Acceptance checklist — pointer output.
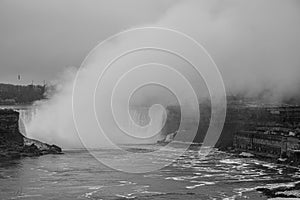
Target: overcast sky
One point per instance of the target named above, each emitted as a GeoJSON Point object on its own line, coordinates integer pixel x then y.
{"type": "Point", "coordinates": [40, 38]}
{"type": "Point", "coordinates": [255, 43]}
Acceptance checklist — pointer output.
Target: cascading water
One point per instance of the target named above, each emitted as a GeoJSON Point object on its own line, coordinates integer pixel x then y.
{"type": "Point", "coordinates": [141, 118]}
{"type": "Point", "coordinates": [42, 122]}
{"type": "Point", "coordinates": [26, 115]}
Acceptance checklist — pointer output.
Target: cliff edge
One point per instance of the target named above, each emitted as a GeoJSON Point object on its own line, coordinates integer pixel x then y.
{"type": "Point", "coordinates": [15, 145]}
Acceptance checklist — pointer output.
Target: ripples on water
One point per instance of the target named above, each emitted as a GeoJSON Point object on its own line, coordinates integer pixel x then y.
{"type": "Point", "coordinates": [77, 175]}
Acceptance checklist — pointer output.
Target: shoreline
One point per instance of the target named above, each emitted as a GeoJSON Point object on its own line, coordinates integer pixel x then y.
{"type": "Point", "coordinates": [288, 190]}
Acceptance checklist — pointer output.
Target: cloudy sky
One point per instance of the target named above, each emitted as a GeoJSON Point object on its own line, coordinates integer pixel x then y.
{"type": "Point", "coordinates": [255, 43]}
{"type": "Point", "coordinates": [40, 38]}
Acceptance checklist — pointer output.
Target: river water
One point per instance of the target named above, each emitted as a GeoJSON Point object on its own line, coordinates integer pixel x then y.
{"type": "Point", "coordinates": [78, 175]}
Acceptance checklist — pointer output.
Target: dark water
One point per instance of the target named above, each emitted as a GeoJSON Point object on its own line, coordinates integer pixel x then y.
{"type": "Point", "coordinates": [77, 175]}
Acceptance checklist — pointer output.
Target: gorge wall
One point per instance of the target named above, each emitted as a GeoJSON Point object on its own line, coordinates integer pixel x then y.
{"type": "Point", "coordinates": [240, 116]}
{"type": "Point", "coordinates": [9, 128]}
{"type": "Point", "coordinates": [14, 145]}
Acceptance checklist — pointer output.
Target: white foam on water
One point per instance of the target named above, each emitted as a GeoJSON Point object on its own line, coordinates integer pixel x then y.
{"type": "Point", "coordinates": [182, 178]}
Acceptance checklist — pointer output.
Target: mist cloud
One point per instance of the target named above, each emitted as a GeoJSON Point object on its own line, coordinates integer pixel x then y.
{"type": "Point", "coordinates": [255, 44]}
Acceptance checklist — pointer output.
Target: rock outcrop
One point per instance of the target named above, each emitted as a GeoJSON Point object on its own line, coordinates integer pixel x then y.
{"type": "Point", "coordinates": [14, 145]}
{"type": "Point", "coordinates": [286, 191]}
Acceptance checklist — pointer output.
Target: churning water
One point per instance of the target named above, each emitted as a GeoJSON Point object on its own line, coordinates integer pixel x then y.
{"type": "Point", "coordinates": [78, 175]}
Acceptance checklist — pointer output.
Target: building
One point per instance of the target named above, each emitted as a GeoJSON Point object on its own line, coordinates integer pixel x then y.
{"type": "Point", "coordinates": [266, 144]}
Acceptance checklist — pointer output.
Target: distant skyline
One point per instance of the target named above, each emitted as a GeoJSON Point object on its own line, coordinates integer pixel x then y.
{"type": "Point", "coordinates": [38, 39]}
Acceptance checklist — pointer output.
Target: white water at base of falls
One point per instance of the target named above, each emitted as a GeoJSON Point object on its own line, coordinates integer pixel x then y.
{"type": "Point", "coordinates": [139, 118]}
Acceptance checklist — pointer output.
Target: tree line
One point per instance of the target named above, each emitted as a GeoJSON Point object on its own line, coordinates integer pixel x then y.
{"type": "Point", "coordinates": [20, 94]}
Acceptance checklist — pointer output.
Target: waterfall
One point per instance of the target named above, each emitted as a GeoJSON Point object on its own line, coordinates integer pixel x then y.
{"type": "Point", "coordinates": [143, 123]}
{"type": "Point", "coordinates": [26, 115]}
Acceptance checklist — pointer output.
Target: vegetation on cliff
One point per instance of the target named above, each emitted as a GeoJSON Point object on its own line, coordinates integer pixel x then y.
{"type": "Point", "coordinates": [20, 94]}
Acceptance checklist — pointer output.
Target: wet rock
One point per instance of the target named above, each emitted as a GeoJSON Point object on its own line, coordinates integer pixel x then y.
{"type": "Point", "coordinates": [44, 148]}
{"type": "Point", "coordinates": [55, 149]}
{"type": "Point", "coordinates": [283, 191]}
{"type": "Point", "coordinates": [13, 145]}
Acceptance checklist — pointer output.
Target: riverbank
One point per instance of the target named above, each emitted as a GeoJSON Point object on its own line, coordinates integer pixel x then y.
{"type": "Point", "coordinates": [282, 191]}
{"type": "Point", "coordinates": [12, 150]}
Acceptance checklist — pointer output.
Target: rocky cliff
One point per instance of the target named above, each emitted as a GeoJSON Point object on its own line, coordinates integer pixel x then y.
{"type": "Point", "coordinates": [241, 116]}
{"type": "Point", "coordinates": [14, 145]}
